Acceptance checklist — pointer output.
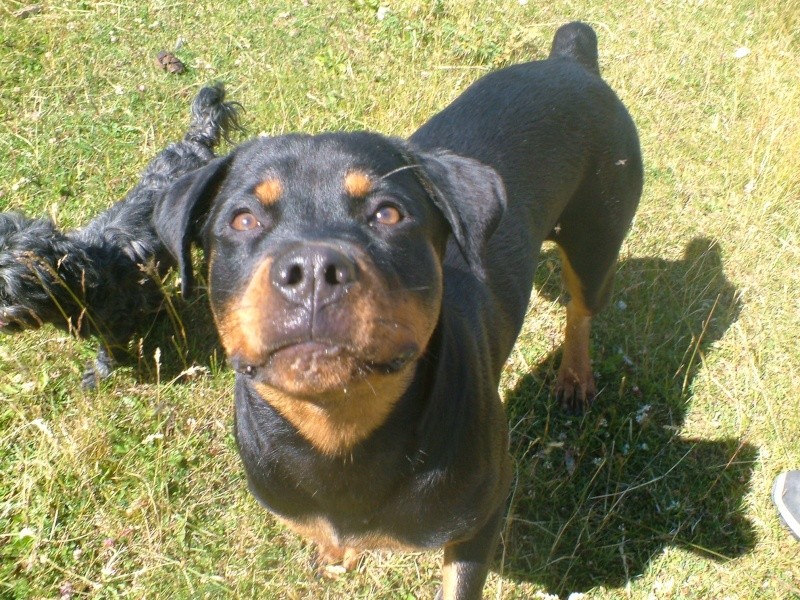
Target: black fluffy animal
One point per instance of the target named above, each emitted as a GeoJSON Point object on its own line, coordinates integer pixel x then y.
{"type": "Point", "coordinates": [104, 279]}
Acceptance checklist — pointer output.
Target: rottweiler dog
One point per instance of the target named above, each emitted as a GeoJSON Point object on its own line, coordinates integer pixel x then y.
{"type": "Point", "coordinates": [368, 291]}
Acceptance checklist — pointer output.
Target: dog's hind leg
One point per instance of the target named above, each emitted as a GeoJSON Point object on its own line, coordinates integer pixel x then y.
{"type": "Point", "coordinates": [575, 387]}
{"type": "Point", "coordinates": [589, 236]}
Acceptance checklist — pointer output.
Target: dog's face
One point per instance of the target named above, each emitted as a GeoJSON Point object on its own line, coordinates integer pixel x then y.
{"type": "Point", "coordinates": [324, 264]}
{"type": "Point", "coordinates": [27, 272]}
{"type": "Point", "coordinates": [325, 256]}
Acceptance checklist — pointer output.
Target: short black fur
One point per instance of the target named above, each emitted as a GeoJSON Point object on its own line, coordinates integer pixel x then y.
{"type": "Point", "coordinates": [534, 152]}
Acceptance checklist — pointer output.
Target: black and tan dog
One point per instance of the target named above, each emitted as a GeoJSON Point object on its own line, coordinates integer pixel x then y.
{"type": "Point", "coordinates": [368, 291]}
{"type": "Point", "coordinates": [104, 279]}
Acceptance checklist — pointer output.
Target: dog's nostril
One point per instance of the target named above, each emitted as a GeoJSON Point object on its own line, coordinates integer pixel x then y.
{"type": "Point", "coordinates": [293, 275]}
{"type": "Point", "coordinates": [335, 275]}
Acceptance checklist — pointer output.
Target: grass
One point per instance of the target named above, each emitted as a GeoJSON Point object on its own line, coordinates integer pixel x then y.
{"type": "Point", "coordinates": [660, 491]}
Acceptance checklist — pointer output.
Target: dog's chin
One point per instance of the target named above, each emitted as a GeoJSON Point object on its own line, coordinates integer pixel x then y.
{"type": "Point", "coordinates": [316, 370]}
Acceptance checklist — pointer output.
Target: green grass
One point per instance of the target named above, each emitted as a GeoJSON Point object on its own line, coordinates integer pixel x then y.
{"type": "Point", "coordinates": [660, 491]}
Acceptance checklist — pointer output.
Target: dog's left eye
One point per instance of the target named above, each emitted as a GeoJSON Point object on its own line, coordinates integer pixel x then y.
{"type": "Point", "coordinates": [245, 221]}
{"type": "Point", "coordinates": [386, 214]}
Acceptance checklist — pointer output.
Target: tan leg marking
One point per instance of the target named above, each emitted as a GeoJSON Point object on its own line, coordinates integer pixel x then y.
{"type": "Point", "coordinates": [449, 580]}
{"type": "Point", "coordinates": [575, 383]}
{"type": "Point", "coordinates": [332, 561]}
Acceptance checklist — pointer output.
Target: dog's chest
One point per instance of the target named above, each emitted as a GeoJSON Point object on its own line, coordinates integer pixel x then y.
{"type": "Point", "coordinates": [377, 498]}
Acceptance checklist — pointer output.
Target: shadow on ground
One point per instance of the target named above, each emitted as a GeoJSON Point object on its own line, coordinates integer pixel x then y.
{"type": "Point", "coordinates": [597, 497]}
{"type": "Point", "coordinates": [185, 338]}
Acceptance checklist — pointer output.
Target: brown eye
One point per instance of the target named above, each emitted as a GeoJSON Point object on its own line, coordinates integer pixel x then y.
{"type": "Point", "coordinates": [245, 222]}
{"type": "Point", "coordinates": [387, 215]}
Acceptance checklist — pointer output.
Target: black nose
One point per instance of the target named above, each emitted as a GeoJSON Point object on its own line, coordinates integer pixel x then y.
{"type": "Point", "coordinates": [313, 275]}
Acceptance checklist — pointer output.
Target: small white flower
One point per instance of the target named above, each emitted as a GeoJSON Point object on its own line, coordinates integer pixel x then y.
{"type": "Point", "coordinates": [152, 438]}
{"type": "Point", "coordinates": [108, 571]}
{"type": "Point", "coordinates": [643, 413]}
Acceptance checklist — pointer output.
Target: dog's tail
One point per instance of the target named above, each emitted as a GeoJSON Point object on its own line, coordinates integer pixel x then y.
{"type": "Point", "coordinates": [212, 117]}
{"type": "Point", "coordinates": [576, 41]}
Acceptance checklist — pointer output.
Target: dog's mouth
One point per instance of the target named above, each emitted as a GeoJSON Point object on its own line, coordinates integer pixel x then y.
{"type": "Point", "coordinates": [313, 368]}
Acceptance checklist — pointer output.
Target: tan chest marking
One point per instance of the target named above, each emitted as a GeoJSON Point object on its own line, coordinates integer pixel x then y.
{"type": "Point", "coordinates": [320, 531]}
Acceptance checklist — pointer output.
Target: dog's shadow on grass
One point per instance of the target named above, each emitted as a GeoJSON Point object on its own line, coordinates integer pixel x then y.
{"type": "Point", "coordinates": [597, 497]}
{"type": "Point", "coordinates": [182, 340]}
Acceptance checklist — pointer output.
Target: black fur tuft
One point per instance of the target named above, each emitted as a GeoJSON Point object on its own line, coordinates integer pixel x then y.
{"type": "Point", "coordinates": [104, 279]}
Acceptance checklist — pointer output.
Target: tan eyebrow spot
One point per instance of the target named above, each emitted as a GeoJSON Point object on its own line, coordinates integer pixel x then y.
{"type": "Point", "coordinates": [269, 191]}
{"type": "Point", "coordinates": [357, 184]}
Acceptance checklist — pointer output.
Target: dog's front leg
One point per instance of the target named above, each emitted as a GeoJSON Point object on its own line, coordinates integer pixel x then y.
{"type": "Point", "coordinates": [466, 564]}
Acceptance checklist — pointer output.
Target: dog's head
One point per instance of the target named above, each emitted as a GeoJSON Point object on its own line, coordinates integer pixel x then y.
{"type": "Point", "coordinates": [34, 255]}
{"type": "Point", "coordinates": [325, 253]}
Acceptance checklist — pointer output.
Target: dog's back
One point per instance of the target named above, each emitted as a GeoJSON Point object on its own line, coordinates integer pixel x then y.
{"type": "Point", "coordinates": [568, 154]}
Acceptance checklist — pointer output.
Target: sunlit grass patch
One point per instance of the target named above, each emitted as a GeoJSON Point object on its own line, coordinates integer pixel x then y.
{"type": "Point", "coordinates": [661, 490]}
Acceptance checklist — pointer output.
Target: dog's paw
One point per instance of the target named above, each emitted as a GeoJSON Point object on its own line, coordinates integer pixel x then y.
{"type": "Point", "coordinates": [574, 393]}
{"type": "Point", "coordinates": [332, 561]}
{"type": "Point", "coordinates": [96, 371]}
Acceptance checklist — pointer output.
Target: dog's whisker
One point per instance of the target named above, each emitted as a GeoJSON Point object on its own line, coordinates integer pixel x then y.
{"type": "Point", "coordinates": [398, 170]}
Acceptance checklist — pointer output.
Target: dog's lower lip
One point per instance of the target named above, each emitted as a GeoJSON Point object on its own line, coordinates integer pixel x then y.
{"type": "Point", "coordinates": [394, 365]}
{"type": "Point", "coordinates": [327, 348]}
{"type": "Point", "coordinates": [251, 369]}
{"type": "Point", "coordinates": [386, 367]}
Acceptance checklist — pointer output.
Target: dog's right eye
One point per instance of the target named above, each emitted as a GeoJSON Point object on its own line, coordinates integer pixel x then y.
{"type": "Point", "coordinates": [245, 221]}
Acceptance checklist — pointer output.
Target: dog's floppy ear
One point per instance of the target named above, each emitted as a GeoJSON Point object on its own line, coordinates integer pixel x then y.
{"type": "Point", "coordinates": [470, 195]}
{"type": "Point", "coordinates": [179, 213]}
